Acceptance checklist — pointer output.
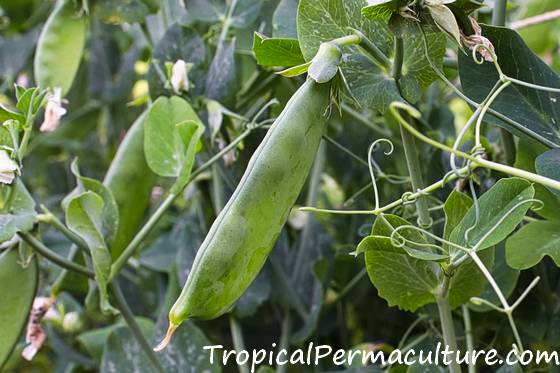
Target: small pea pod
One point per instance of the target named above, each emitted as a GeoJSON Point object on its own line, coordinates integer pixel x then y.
{"type": "Point", "coordinates": [131, 181]}
{"type": "Point", "coordinates": [244, 233]}
{"type": "Point", "coordinates": [18, 286]}
{"type": "Point", "coordinates": [60, 47]}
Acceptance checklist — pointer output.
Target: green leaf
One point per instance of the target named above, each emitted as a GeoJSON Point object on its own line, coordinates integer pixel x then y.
{"type": "Point", "coordinates": [373, 86]}
{"type": "Point", "coordinates": [548, 164]}
{"type": "Point", "coordinates": [500, 211]}
{"type": "Point", "coordinates": [401, 280]}
{"type": "Point", "coordinates": [84, 216]}
{"type": "Point", "coordinates": [129, 167]}
{"type": "Point", "coordinates": [295, 71]}
{"type": "Point", "coordinates": [60, 47]}
{"type": "Point", "coordinates": [527, 247]}
{"type": "Point", "coordinates": [445, 20]}
{"type": "Point", "coordinates": [221, 82]}
{"type": "Point", "coordinates": [455, 208]}
{"type": "Point", "coordinates": [382, 9]}
{"type": "Point", "coordinates": [284, 19]}
{"type": "Point", "coordinates": [7, 114]}
{"type": "Point", "coordinates": [527, 152]}
{"type": "Point", "coordinates": [535, 112]}
{"type": "Point", "coordinates": [276, 52]}
{"type": "Point", "coordinates": [245, 13]}
{"type": "Point", "coordinates": [18, 286]}
{"type": "Point", "coordinates": [17, 210]}
{"type": "Point", "coordinates": [110, 209]}
{"type": "Point", "coordinates": [172, 129]}
{"type": "Point", "coordinates": [124, 11]}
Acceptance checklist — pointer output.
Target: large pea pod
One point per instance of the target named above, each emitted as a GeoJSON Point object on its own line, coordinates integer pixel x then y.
{"type": "Point", "coordinates": [131, 181]}
{"type": "Point", "coordinates": [18, 286]}
{"type": "Point", "coordinates": [245, 231]}
{"type": "Point", "coordinates": [60, 47]}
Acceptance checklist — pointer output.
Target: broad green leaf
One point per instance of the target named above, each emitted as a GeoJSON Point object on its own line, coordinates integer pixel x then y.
{"type": "Point", "coordinates": [60, 47]}
{"type": "Point", "coordinates": [171, 127]}
{"type": "Point", "coordinates": [129, 167]}
{"type": "Point", "coordinates": [535, 112]}
{"type": "Point", "coordinates": [527, 152]}
{"type": "Point", "coordinates": [245, 13]}
{"type": "Point", "coordinates": [94, 341]}
{"type": "Point", "coordinates": [110, 208]}
{"type": "Point", "coordinates": [284, 19]}
{"type": "Point", "coordinates": [505, 277]}
{"type": "Point", "coordinates": [276, 52]}
{"type": "Point", "coordinates": [467, 6]}
{"type": "Point", "coordinates": [455, 208]}
{"type": "Point", "coordinates": [178, 43]}
{"type": "Point", "coordinates": [127, 11]}
{"type": "Point", "coordinates": [221, 82]}
{"type": "Point", "coordinates": [84, 216]}
{"type": "Point", "coordinates": [373, 86]}
{"type": "Point", "coordinates": [17, 210]}
{"type": "Point", "coordinates": [7, 114]}
{"type": "Point", "coordinates": [527, 247]}
{"type": "Point", "coordinates": [501, 209]}
{"type": "Point", "coordinates": [382, 9]}
{"type": "Point", "coordinates": [18, 286]}
{"type": "Point", "coordinates": [548, 164]}
{"type": "Point", "coordinates": [445, 20]}
{"type": "Point", "coordinates": [400, 279]}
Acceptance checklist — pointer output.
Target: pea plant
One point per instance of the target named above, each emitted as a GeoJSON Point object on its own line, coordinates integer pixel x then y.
{"type": "Point", "coordinates": [184, 182]}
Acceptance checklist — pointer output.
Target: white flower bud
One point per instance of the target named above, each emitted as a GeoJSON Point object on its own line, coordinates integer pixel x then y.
{"type": "Point", "coordinates": [8, 168]}
{"type": "Point", "coordinates": [180, 77]}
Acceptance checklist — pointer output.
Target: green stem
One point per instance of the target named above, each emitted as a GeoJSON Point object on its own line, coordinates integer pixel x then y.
{"type": "Point", "coordinates": [44, 251]}
{"type": "Point", "coordinates": [446, 319]}
{"type": "Point", "coordinates": [372, 50]}
{"type": "Point", "coordinates": [51, 219]}
{"type": "Point", "coordinates": [499, 14]}
{"type": "Point", "coordinates": [469, 335]}
{"type": "Point", "coordinates": [347, 40]}
{"type": "Point", "coordinates": [416, 178]}
{"type": "Point", "coordinates": [398, 59]}
{"type": "Point", "coordinates": [238, 342]}
{"type": "Point", "coordinates": [285, 339]}
{"type": "Point", "coordinates": [128, 317]}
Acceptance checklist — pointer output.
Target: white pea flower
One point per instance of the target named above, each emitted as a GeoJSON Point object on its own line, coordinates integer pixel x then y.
{"type": "Point", "coordinates": [53, 112]}
{"type": "Point", "coordinates": [8, 168]}
{"type": "Point", "coordinates": [180, 76]}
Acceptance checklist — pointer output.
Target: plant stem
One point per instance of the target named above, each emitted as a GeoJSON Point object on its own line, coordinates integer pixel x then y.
{"type": "Point", "coordinates": [446, 319]}
{"type": "Point", "coordinates": [469, 336]}
{"type": "Point", "coordinates": [47, 253]}
{"type": "Point", "coordinates": [285, 339]}
{"type": "Point", "coordinates": [372, 50]}
{"type": "Point", "coordinates": [50, 218]}
{"type": "Point", "coordinates": [416, 179]}
{"type": "Point", "coordinates": [128, 317]}
{"type": "Point", "coordinates": [398, 59]}
{"type": "Point", "coordinates": [499, 14]}
{"type": "Point", "coordinates": [238, 342]}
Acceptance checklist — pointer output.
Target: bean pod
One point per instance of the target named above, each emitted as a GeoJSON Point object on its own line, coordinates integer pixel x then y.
{"type": "Point", "coordinates": [243, 234]}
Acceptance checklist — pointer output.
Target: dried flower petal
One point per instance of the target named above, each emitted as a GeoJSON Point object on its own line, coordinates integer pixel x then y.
{"type": "Point", "coordinates": [471, 41]}
{"type": "Point", "coordinates": [36, 335]}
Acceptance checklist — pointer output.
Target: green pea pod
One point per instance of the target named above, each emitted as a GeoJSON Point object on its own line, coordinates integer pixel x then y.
{"type": "Point", "coordinates": [131, 181]}
{"type": "Point", "coordinates": [244, 233]}
{"type": "Point", "coordinates": [60, 47]}
{"type": "Point", "coordinates": [18, 286]}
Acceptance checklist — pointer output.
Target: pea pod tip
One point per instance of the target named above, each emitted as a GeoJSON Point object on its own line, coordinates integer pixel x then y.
{"type": "Point", "coordinates": [165, 341]}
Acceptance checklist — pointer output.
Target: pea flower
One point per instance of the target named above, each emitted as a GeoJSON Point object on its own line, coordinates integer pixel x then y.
{"type": "Point", "coordinates": [8, 168]}
{"type": "Point", "coordinates": [180, 76]}
{"type": "Point", "coordinates": [53, 112]}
